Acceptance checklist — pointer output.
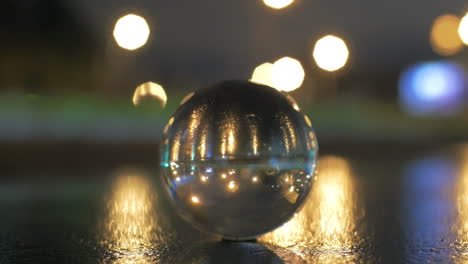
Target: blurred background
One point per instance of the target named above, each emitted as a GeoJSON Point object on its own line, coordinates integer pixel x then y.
{"type": "Point", "coordinates": [87, 86]}
{"type": "Point", "coordinates": [391, 72]}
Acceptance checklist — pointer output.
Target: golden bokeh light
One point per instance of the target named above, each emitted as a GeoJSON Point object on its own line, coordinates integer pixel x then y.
{"type": "Point", "coordinates": [195, 199]}
{"type": "Point", "coordinates": [131, 32]}
{"type": "Point", "coordinates": [232, 186]}
{"type": "Point", "coordinates": [328, 219]}
{"type": "Point", "coordinates": [149, 91]}
{"type": "Point", "coordinates": [444, 35]}
{"type": "Point", "coordinates": [463, 29]}
{"type": "Point", "coordinates": [287, 74]}
{"type": "Point", "coordinates": [331, 53]}
{"type": "Point", "coordinates": [262, 74]}
{"type": "Point", "coordinates": [277, 4]}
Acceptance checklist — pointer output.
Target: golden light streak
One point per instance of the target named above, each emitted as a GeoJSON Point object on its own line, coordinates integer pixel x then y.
{"type": "Point", "coordinates": [288, 133]}
{"type": "Point", "coordinates": [293, 102]}
{"type": "Point", "coordinates": [231, 143]}
{"type": "Point", "coordinates": [169, 123]}
{"type": "Point", "coordinates": [307, 120]}
{"type": "Point", "coordinates": [461, 197]}
{"type": "Point", "coordinates": [229, 131]}
{"type": "Point", "coordinates": [203, 142]}
{"type": "Point", "coordinates": [253, 133]}
{"type": "Point", "coordinates": [175, 147]}
{"type": "Point", "coordinates": [131, 32]}
{"type": "Point", "coordinates": [331, 53]}
{"type": "Point", "coordinates": [444, 35]}
{"type": "Point", "coordinates": [186, 98]}
{"type": "Point", "coordinates": [192, 132]}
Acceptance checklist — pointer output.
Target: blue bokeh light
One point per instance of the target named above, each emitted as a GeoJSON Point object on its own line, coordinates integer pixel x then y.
{"type": "Point", "coordinates": [433, 88]}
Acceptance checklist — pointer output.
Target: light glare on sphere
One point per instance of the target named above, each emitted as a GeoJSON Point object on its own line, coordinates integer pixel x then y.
{"type": "Point", "coordinates": [287, 74]}
{"type": "Point", "coordinates": [131, 32]}
{"type": "Point", "coordinates": [331, 53]}
{"type": "Point", "coordinates": [238, 159]}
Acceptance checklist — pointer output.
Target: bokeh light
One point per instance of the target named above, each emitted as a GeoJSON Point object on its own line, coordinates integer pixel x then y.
{"type": "Point", "coordinates": [149, 93]}
{"type": "Point", "coordinates": [287, 74]}
{"type": "Point", "coordinates": [131, 32]}
{"type": "Point", "coordinates": [331, 53]}
{"type": "Point", "coordinates": [463, 29]}
{"type": "Point", "coordinates": [433, 88]}
{"type": "Point", "coordinates": [444, 35]}
{"type": "Point", "coordinates": [262, 74]}
{"type": "Point", "coordinates": [195, 199]}
{"type": "Point", "coordinates": [278, 4]}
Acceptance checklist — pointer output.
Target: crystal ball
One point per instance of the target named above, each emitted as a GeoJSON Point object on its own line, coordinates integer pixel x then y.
{"type": "Point", "coordinates": [238, 159]}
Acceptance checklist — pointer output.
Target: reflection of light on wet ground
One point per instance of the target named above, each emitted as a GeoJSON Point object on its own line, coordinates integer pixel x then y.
{"type": "Point", "coordinates": [328, 220]}
{"type": "Point", "coordinates": [462, 199]}
{"type": "Point", "coordinates": [132, 232]}
{"type": "Point", "coordinates": [427, 207]}
{"type": "Point", "coordinates": [461, 227]}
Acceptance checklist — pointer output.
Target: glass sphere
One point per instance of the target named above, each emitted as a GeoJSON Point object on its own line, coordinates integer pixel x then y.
{"type": "Point", "coordinates": [238, 159]}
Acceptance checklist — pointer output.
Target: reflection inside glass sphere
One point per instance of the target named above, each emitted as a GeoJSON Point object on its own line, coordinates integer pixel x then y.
{"type": "Point", "coordinates": [238, 159]}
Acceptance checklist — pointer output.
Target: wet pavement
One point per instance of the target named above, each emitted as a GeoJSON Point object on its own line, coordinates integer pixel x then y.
{"type": "Point", "coordinates": [398, 206]}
